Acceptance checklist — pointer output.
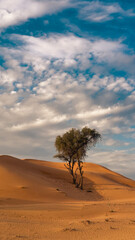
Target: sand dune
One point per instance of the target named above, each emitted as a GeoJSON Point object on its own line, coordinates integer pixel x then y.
{"type": "Point", "coordinates": [38, 201]}
{"type": "Point", "coordinates": [43, 181]}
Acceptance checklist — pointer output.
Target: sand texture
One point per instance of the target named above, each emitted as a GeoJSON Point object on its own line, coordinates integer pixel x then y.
{"type": "Point", "coordinates": [38, 201]}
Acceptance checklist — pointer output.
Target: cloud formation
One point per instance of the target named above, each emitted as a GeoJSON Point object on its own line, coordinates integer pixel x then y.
{"type": "Point", "coordinates": [72, 51]}
{"type": "Point", "coordinates": [99, 11]}
{"type": "Point", "coordinates": [43, 69]}
{"type": "Point", "coordinates": [46, 97]}
{"type": "Point", "coordinates": [14, 12]}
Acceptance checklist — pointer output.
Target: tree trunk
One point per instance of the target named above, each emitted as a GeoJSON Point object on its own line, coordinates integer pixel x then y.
{"type": "Point", "coordinates": [81, 173]}
{"type": "Point", "coordinates": [72, 172]}
{"type": "Point", "coordinates": [81, 186]}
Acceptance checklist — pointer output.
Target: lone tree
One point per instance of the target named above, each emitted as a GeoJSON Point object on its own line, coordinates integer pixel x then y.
{"type": "Point", "coordinates": [72, 147]}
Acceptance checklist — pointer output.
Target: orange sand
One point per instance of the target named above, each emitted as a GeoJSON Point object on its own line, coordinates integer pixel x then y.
{"type": "Point", "coordinates": [39, 201]}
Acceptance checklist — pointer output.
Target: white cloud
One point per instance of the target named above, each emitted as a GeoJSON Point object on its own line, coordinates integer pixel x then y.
{"type": "Point", "coordinates": [55, 46]}
{"type": "Point", "coordinates": [98, 11]}
{"type": "Point", "coordinates": [14, 12]}
{"type": "Point", "coordinates": [68, 51]}
{"type": "Point", "coordinates": [36, 70]}
{"type": "Point", "coordinates": [116, 143]}
{"type": "Point", "coordinates": [111, 83]}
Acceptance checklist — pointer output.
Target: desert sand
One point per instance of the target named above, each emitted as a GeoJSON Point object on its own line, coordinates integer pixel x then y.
{"type": "Point", "coordinates": [38, 201]}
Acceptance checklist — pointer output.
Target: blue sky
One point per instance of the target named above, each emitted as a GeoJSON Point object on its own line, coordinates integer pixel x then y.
{"type": "Point", "coordinates": [65, 64]}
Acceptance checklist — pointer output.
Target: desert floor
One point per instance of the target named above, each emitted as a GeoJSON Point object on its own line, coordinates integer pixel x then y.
{"type": "Point", "coordinates": [38, 201]}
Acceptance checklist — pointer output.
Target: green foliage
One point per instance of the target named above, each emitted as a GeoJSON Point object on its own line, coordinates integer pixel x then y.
{"type": "Point", "coordinates": [72, 147]}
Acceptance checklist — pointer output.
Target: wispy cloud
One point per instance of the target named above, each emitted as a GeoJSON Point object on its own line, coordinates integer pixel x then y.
{"type": "Point", "coordinates": [99, 11]}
